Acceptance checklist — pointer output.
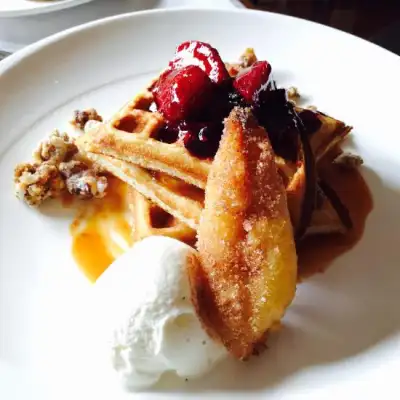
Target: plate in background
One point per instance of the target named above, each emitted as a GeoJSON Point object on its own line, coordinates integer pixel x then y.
{"type": "Point", "coordinates": [18, 8]}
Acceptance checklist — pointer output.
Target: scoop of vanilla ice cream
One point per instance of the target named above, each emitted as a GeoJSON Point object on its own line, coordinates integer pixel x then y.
{"type": "Point", "coordinates": [145, 306]}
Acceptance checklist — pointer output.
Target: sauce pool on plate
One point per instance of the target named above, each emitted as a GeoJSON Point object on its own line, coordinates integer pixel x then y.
{"type": "Point", "coordinates": [316, 253]}
{"type": "Point", "coordinates": [101, 232]}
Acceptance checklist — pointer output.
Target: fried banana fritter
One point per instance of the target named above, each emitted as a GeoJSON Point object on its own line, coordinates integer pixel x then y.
{"type": "Point", "coordinates": [248, 269]}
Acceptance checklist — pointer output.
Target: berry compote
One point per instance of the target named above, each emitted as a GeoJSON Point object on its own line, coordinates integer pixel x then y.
{"type": "Point", "coordinates": [195, 94]}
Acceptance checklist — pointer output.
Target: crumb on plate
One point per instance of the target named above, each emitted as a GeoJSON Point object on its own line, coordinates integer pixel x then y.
{"type": "Point", "coordinates": [348, 160]}
{"type": "Point", "coordinates": [81, 118]}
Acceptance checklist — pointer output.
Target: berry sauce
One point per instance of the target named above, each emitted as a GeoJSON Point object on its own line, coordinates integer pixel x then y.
{"type": "Point", "coordinates": [195, 94]}
{"type": "Point", "coordinates": [202, 133]}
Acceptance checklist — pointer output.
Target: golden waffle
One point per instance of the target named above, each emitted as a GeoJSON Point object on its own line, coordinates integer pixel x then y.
{"type": "Point", "coordinates": [127, 147]}
{"type": "Point", "coordinates": [324, 218]}
{"type": "Point", "coordinates": [328, 136]}
{"type": "Point", "coordinates": [139, 146]}
{"type": "Point", "coordinates": [149, 220]}
{"type": "Point", "coordinates": [177, 198]}
{"type": "Point", "coordinates": [131, 135]}
{"type": "Point", "coordinates": [185, 201]}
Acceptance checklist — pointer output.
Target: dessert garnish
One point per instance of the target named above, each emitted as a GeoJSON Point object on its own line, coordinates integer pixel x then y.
{"type": "Point", "coordinates": [203, 55]}
{"type": "Point", "coordinates": [58, 168]}
{"type": "Point", "coordinates": [252, 81]}
{"type": "Point", "coordinates": [182, 93]}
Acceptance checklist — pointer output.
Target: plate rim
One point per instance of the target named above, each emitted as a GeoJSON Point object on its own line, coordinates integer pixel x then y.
{"type": "Point", "coordinates": [19, 55]}
{"type": "Point", "coordinates": [51, 7]}
{"type": "Point", "coordinates": [107, 22]}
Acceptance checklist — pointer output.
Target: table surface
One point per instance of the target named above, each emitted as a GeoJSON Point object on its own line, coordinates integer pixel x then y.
{"type": "Point", "coordinates": [374, 20]}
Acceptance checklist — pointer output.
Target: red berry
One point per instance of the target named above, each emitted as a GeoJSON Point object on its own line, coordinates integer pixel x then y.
{"type": "Point", "coordinates": [251, 81]}
{"type": "Point", "coordinates": [182, 93]}
{"type": "Point", "coordinates": [203, 55]}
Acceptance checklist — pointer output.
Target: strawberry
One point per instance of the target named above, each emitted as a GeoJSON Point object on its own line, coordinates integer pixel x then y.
{"type": "Point", "coordinates": [203, 55]}
{"type": "Point", "coordinates": [182, 93]}
{"type": "Point", "coordinates": [253, 80]}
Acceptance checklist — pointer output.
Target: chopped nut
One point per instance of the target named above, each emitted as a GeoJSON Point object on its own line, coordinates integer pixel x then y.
{"type": "Point", "coordinates": [312, 108]}
{"type": "Point", "coordinates": [82, 117]}
{"type": "Point", "coordinates": [35, 183]}
{"type": "Point", "coordinates": [248, 58]}
{"type": "Point", "coordinates": [348, 160]}
{"type": "Point", "coordinates": [57, 148]}
{"type": "Point", "coordinates": [293, 93]}
{"type": "Point", "coordinates": [67, 169]}
{"type": "Point", "coordinates": [58, 167]}
{"type": "Point", "coordinates": [83, 182]}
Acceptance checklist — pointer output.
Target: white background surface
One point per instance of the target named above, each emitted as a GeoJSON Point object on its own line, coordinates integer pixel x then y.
{"type": "Point", "coordinates": [19, 31]}
{"type": "Point", "coordinates": [342, 333]}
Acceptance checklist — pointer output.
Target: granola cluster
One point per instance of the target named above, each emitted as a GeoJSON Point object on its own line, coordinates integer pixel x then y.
{"type": "Point", "coordinates": [82, 181]}
{"type": "Point", "coordinates": [34, 183]}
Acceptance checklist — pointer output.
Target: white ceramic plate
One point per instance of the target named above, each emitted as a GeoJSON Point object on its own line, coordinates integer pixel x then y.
{"type": "Point", "coordinates": [341, 336]}
{"type": "Point", "coordinates": [18, 8]}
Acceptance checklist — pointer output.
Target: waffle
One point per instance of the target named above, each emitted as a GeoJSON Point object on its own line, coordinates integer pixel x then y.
{"type": "Point", "coordinates": [149, 220]}
{"type": "Point", "coordinates": [181, 200]}
{"type": "Point", "coordinates": [325, 218]}
{"type": "Point", "coordinates": [131, 136]}
{"type": "Point", "coordinates": [185, 202]}
{"type": "Point", "coordinates": [168, 174]}
{"type": "Point", "coordinates": [330, 134]}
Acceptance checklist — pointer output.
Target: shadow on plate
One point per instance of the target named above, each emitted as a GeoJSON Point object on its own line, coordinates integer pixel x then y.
{"type": "Point", "coordinates": [348, 310]}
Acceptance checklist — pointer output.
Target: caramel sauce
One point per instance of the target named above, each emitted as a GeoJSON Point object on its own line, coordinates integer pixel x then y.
{"type": "Point", "coordinates": [317, 252]}
{"type": "Point", "coordinates": [101, 231]}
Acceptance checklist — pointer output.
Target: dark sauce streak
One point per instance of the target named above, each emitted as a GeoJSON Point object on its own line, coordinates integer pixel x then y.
{"type": "Point", "coordinates": [310, 194]}
{"type": "Point", "coordinates": [316, 253]}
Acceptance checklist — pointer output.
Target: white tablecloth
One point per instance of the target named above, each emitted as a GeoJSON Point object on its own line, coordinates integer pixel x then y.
{"type": "Point", "coordinates": [16, 33]}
